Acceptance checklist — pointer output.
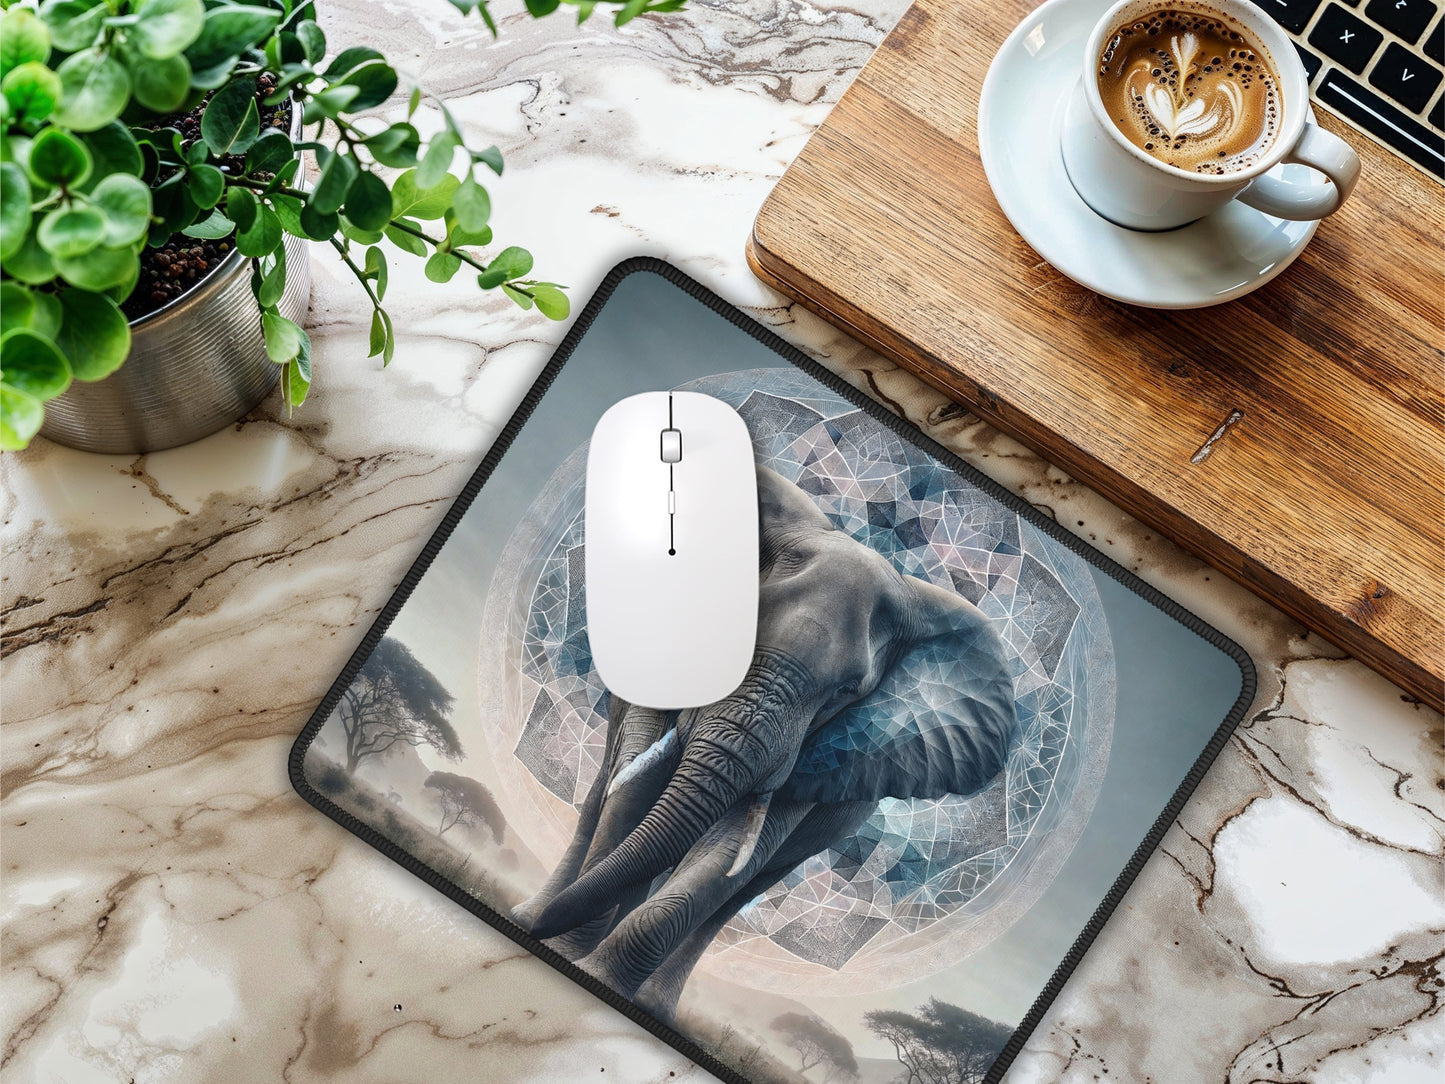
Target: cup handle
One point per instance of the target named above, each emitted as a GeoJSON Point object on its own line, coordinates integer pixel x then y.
{"type": "Point", "coordinates": [1327, 153]}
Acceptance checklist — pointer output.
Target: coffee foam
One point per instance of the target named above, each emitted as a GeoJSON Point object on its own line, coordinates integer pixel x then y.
{"type": "Point", "coordinates": [1191, 90]}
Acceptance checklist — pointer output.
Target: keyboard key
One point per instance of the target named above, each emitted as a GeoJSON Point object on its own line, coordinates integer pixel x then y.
{"type": "Point", "coordinates": [1437, 115]}
{"type": "Point", "coordinates": [1343, 37]}
{"type": "Point", "coordinates": [1435, 43]}
{"type": "Point", "coordinates": [1405, 77]}
{"type": "Point", "coordinates": [1293, 15]}
{"type": "Point", "coordinates": [1380, 118]}
{"type": "Point", "coordinates": [1312, 63]}
{"type": "Point", "coordinates": [1404, 17]}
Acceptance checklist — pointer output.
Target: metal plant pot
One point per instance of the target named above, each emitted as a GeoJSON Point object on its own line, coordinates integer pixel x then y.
{"type": "Point", "coordinates": [195, 366]}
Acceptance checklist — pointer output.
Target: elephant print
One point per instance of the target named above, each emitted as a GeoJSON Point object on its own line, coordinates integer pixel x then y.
{"type": "Point", "coordinates": [695, 814]}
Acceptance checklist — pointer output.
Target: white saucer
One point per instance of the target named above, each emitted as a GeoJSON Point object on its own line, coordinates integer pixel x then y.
{"type": "Point", "coordinates": [1222, 256]}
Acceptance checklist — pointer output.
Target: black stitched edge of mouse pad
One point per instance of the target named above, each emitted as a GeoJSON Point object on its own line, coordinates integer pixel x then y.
{"type": "Point", "coordinates": [935, 808]}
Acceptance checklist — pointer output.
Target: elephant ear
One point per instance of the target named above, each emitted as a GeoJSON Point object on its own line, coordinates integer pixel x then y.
{"type": "Point", "coordinates": [940, 722]}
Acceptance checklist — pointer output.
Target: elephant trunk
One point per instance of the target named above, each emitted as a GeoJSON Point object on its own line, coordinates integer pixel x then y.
{"type": "Point", "coordinates": [731, 749]}
{"type": "Point", "coordinates": [692, 801]}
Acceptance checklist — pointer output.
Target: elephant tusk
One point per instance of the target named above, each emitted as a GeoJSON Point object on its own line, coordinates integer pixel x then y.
{"type": "Point", "coordinates": [752, 832]}
{"type": "Point", "coordinates": [655, 751]}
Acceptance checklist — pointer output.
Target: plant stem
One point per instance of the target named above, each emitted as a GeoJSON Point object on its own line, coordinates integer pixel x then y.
{"type": "Point", "coordinates": [358, 272]}
{"type": "Point", "coordinates": [458, 253]}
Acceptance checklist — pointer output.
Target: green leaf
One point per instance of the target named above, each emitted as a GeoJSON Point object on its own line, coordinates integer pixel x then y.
{"type": "Point", "coordinates": [375, 83]}
{"type": "Point", "coordinates": [368, 202]}
{"type": "Point", "coordinates": [21, 307]}
{"type": "Point", "coordinates": [319, 225]}
{"type": "Point", "coordinates": [273, 278]}
{"type": "Point", "coordinates": [231, 123]}
{"type": "Point", "coordinates": [32, 91]}
{"type": "Point", "coordinates": [510, 263]}
{"type": "Point", "coordinates": [491, 157]}
{"type": "Point", "coordinates": [283, 337]}
{"type": "Point", "coordinates": [241, 207]}
{"type": "Point", "coordinates": [378, 334]}
{"type": "Point", "coordinates": [95, 87]}
{"type": "Point", "coordinates": [436, 161]}
{"type": "Point", "coordinates": [161, 85]}
{"type": "Point", "coordinates": [352, 232]}
{"type": "Point", "coordinates": [94, 334]}
{"type": "Point", "coordinates": [269, 153]}
{"type": "Point", "coordinates": [24, 39]}
{"type": "Point", "coordinates": [313, 40]}
{"type": "Point", "coordinates": [584, 10]}
{"type": "Point", "coordinates": [460, 238]}
{"type": "Point", "coordinates": [389, 343]}
{"type": "Point", "coordinates": [172, 208]}
{"type": "Point", "coordinates": [413, 102]}
{"type": "Point", "coordinates": [125, 202]}
{"type": "Point", "coordinates": [522, 299]}
{"type": "Point", "coordinates": [472, 206]}
{"type": "Point", "coordinates": [296, 374]}
{"type": "Point", "coordinates": [442, 266]}
{"type": "Point", "coordinates": [350, 59]}
{"type": "Point", "coordinates": [395, 146]}
{"type": "Point", "coordinates": [71, 231]}
{"type": "Point", "coordinates": [338, 171]}
{"type": "Point", "coordinates": [411, 199]}
{"type": "Point", "coordinates": [407, 242]}
{"type": "Point", "coordinates": [217, 75]}
{"type": "Point", "coordinates": [283, 176]}
{"type": "Point", "coordinates": [294, 386]}
{"type": "Point", "coordinates": [629, 11]}
{"type": "Point", "coordinates": [376, 269]}
{"type": "Point", "coordinates": [21, 416]}
{"type": "Point", "coordinates": [539, 8]}
{"type": "Point", "coordinates": [263, 236]}
{"type": "Point", "coordinates": [30, 263]}
{"type": "Point", "coordinates": [206, 185]}
{"type": "Point", "coordinates": [74, 24]}
{"type": "Point", "coordinates": [551, 302]}
{"type": "Point", "coordinates": [229, 30]}
{"type": "Point", "coordinates": [481, 7]}
{"type": "Point", "coordinates": [100, 268]}
{"type": "Point", "coordinates": [33, 364]}
{"type": "Point", "coordinates": [58, 159]}
{"type": "Point", "coordinates": [196, 153]}
{"type": "Point", "coordinates": [14, 209]}
{"type": "Point", "coordinates": [114, 150]}
{"type": "Point", "coordinates": [213, 227]}
{"type": "Point", "coordinates": [328, 103]}
{"type": "Point", "coordinates": [165, 27]}
{"type": "Point", "coordinates": [288, 210]}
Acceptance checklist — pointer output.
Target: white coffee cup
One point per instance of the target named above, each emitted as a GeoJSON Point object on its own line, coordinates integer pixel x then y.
{"type": "Point", "coordinates": [1128, 186]}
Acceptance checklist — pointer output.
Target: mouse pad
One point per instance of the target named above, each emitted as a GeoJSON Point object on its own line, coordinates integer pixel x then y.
{"type": "Point", "coordinates": [884, 853]}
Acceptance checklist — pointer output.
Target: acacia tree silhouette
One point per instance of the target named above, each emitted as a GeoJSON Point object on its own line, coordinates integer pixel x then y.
{"type": "Point", "coordinates": [943, 1044]}
{"type": "Point", "coordinates": [395, 699]}
{"type": "Point", "coordinates": [466, 801]}
{"type": "Point", "coordinates": [817, 1042]}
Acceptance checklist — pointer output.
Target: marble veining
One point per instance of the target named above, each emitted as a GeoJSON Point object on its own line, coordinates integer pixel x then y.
{"type": "Point", "coordinates": [173, 912]}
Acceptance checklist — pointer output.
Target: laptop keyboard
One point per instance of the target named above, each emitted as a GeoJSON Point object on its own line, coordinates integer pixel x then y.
{"type": "Point", "coordinates": [1377, 63]}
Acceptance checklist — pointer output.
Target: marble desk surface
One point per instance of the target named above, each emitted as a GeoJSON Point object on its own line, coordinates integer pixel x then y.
{"type": "Point", "coordinates": [174, 912]}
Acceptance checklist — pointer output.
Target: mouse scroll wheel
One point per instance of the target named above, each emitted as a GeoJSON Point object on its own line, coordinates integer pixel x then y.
{"type": "Point", "coordinates": [671, 445]}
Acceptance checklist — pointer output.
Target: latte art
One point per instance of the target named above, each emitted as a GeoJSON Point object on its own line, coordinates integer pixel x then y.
{"type": "Point", "coordinates": [1175, 114]}
{"type": "Point", "coordinates": [1191, 90]}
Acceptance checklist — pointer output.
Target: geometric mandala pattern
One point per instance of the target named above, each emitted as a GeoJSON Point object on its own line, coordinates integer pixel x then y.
{"type": "Point", "coordinates": [914, 862]}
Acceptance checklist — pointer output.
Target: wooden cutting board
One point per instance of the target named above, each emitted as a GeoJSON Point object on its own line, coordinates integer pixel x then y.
{"type": "Point", "coordinates": [1295, 438]}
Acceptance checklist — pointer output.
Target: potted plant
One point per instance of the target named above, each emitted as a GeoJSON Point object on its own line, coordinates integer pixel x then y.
{"type": "Point", "coordinates": [152, 208]}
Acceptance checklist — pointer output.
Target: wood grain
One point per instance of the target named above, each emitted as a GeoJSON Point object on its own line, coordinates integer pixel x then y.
{"type": "Point", "coordinates": [1324, 490]}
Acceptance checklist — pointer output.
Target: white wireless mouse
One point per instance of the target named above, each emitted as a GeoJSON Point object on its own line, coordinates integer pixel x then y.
{"type": "Point", "coordinates": [671, 537]}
